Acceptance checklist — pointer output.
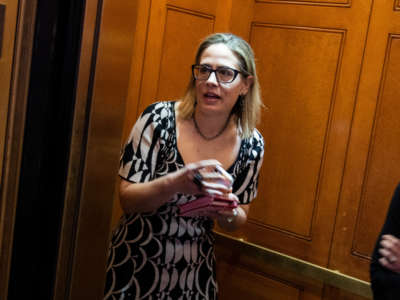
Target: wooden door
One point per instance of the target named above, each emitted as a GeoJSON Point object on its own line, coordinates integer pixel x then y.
{"type": "Point", "coordinates": [372, 169]}
{"type": "Point", "coordinates": [309, 61]}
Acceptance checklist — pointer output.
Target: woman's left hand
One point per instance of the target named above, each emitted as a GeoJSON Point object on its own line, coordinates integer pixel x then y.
{"type": "Point", "coordinates": [390, 252]}
{"type": "Point", "coordinates": [232, 219]}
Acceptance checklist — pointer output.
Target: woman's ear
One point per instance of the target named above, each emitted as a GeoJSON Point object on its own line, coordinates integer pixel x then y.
{"type": "Point", "coordinates": [248, 82]}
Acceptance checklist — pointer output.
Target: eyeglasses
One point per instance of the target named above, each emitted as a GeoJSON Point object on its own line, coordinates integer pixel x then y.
{"type": "Point", "coordinates": [223, 74]}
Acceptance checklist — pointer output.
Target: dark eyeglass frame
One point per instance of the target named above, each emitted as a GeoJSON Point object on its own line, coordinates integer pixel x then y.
{"type": "Point", "coordinates": [211, 70]}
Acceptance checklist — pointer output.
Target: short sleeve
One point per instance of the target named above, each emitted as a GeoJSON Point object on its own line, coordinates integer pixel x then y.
{"type": "Point", "coordinates": [246, 181]}
{"type": "Point", "coordinates": [139, 155]}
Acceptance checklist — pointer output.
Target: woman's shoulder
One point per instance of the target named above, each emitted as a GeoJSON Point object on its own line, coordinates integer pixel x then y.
{"type": "Point", "coordinates": [159, 113]}
{"type": "Point", "coordinates": [256, 139]}
{"type": "Point", "coordinates": [158, 117]}
{"type": "Point", "coordinates": [254, 145]}
{"type": "Point", "coordinates": [257, 136]}
{"type": "Point", "coordinates": [159, 108]}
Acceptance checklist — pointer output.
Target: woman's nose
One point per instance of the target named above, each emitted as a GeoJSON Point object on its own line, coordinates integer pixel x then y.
{"type": "Point", "coordinates": [212, 78]}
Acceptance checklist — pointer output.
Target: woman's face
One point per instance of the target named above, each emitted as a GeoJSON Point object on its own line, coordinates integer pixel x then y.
{"type": "Point", "coordinates": [213, 96]}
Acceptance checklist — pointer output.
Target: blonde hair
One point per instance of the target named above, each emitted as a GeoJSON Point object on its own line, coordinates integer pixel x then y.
{"type": "Point", "coordinates": [248, 107]}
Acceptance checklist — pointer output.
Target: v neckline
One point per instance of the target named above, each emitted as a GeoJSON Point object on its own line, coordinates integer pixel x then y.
{"type": "Point", "coordinates": [180, 157]}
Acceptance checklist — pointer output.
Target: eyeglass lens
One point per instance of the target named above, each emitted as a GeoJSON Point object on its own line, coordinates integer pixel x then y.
{"type": "Point", "coordinates": [223, 74]}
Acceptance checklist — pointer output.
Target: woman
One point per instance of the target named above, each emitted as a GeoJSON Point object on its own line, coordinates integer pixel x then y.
{"type": "Point", "coordinates": [385, 264]}
{"type": "Point", "coordinates": [204, 145]}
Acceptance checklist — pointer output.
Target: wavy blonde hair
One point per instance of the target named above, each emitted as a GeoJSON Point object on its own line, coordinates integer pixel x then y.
{"type": "Point", "coordinates": [246, 109]}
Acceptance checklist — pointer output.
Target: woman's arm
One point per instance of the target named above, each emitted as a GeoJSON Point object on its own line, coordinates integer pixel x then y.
{"type": "Point", "coordinates": [228, 221]}
{"type": "Point", "coordinates": [148, 196]}
{"type": "Point", "coordinates": [247, 182]}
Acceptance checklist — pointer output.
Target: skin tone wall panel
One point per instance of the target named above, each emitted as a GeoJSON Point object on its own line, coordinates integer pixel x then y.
{"type": "Point", "coordinates": [177, 57]}
{"type": "Point", "coordinates": [298, 78]}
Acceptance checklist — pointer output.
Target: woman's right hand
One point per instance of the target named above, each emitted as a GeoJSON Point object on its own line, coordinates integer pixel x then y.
{"type": "Point", "coordinates": [205, 177]}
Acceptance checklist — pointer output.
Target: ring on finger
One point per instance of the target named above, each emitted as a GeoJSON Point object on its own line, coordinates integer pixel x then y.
{"type": "Point", "coordinates": [230, 219]}
{"type": "Point", "coordinates": [235, 212]}
{"type": "Point", "coordinates": [197, 179]}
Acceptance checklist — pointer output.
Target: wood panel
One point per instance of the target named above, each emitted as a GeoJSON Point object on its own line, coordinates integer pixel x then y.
{"type": "Point", "coordinates": [8, 19]}
{"type": "Point", "coordinates": [371, 172]}
{"type": "Point", "coordinates": [299, 68]}
{"type": "Point", "coordinates": [343, 3]}
{"type": "Point", "coordinates": [237, 282]}
{"type": "Point", "coordinates": [248, 274]}
{"type": "Point", "coordinates": [309, 60]}
{"type": "Point", "coordinates": [175, 72]}
{"type": "Point", "coordinates": [384, 152]}
{"type": "Point", "coordinates": [332, 293]}
{"type": "Point", "coordinates": [171, 29]}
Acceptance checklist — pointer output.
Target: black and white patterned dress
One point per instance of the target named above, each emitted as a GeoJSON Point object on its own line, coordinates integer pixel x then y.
{"type": "Point", "coordinates": [160, 255]}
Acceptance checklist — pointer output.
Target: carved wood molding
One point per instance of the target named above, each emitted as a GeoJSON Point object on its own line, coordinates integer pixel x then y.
{"type": "Point", "coordinates": [190, 12]}
{"type": "Point", "coordinates": [174, 13]}
{"type": "Point", "coordinates": [372, 143]}
{"type": "Point", "coordinates": [342, 33]}
{"type": "Point", "coordinates": [337, 3]}
{"type": "Point", "coordinates": [396, 5]}
{"type": "Point", "coordinates": [264, 257]}
{"type": "Point", "coordinates": [305, 28]}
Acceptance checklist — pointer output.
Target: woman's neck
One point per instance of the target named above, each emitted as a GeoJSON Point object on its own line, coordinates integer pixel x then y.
{"type": "Point", "coordinates": [211, 127]}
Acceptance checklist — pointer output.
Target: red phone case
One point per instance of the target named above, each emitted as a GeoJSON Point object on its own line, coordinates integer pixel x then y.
{"type": "Point", "coordinates": [195, 207]}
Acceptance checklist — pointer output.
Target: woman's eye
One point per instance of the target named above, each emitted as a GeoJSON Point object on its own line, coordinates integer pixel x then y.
{"type": "Point", "coordinates": [225, 72]}
{"type": "Point", "coordinates": [204, 69]}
